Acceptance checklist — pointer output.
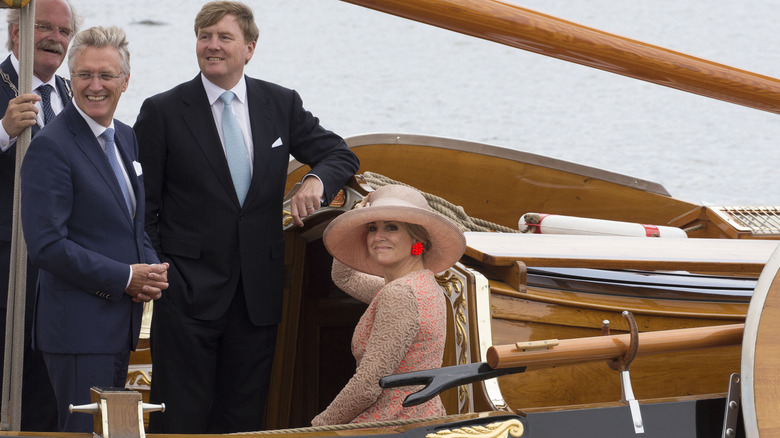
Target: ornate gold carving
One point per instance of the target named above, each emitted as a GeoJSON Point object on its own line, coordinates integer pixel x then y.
{"type": "Point", "coordinates": [453, 289]}
{"type": "Point", "coordinates": [139, 378]}
{"type": "Point", "coordinates": [339, 199]}
{"type": "Point", "coordinates": [501, 429]}
{"type": "Point", "coordinates": [7, 80]}
{"type": "Point", "coordinates": [287, 218]}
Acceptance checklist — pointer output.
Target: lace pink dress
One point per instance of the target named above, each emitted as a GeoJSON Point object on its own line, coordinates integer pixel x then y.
{"type": "Point", "coordinates": [403, 330]}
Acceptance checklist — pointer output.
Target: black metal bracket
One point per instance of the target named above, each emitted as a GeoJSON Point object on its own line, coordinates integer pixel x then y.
{"type": "Point", "coordinates": [733, 401]}
{"type": "Point", "coordinates": [441, 379]}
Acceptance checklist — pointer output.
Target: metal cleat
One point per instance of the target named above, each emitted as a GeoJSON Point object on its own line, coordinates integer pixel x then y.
{"type": "Point", "coordinates": [119, 412]}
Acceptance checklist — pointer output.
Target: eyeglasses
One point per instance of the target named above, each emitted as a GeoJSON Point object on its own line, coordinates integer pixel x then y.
{"type": "Point", "coordinates": [87, 76]}
{"type": "Point", "coordinates": [48, 28]}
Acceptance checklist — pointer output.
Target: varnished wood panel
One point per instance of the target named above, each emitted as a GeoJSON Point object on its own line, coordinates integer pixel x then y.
{"type": "Point", "coordinates": [538, 315]}
{"type": "Point", "coordinates": [501, 189]}
{"type": "Point", "coordinates": [313, 360]}
{"type": "Point", "coordinates": [761, 356]}
{"type": "Point", "coordinates": [500, 185]}
{"type": "Point", "coordinates": [324, 362]}
{"type": "Point", "coordinates": [532, 308]}
{"type": "Point", "coordinates": [666, 375]}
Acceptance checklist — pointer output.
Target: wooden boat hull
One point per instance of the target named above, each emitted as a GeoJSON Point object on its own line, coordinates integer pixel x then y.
{"type": "Point", "coordinates": [500, 298]}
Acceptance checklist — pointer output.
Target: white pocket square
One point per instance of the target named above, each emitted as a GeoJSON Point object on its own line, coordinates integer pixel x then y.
{"type": "Point", "coordinates": [277, 143]}
{"type": "Point", "coordinates": [137, 167]}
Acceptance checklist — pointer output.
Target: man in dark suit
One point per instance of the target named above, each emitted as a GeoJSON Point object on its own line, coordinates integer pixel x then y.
{"type": "Point", "coordinates": [56, 23]}
{"type": "Point", "coordinates": [82, 216]}
{"type": "Point", "coordinates": [215, 150]}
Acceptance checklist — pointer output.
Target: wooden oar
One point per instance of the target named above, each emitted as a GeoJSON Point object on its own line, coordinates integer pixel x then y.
{"type": "Point", "coordinates": [615, 346]}
{"type": "Point", "coordinates": [514, 26]}
{"type": "Point", "coordinates": [508, 359]}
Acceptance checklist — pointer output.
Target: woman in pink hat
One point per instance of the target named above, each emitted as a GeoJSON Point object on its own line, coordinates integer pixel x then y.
{"type": "Point", "coordinates": [386, 254]}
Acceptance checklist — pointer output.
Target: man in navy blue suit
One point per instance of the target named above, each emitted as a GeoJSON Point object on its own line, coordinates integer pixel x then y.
{"type": "Point", "coordinates": [83, 220]}
{"type": "Point", "coordinates": [55, 24]}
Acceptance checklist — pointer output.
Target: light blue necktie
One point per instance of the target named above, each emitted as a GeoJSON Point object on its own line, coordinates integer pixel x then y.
{"type": "Point", "coordinates": [108, 136]}
{"type": "Point", "coordinates": [48, 111]}
{"type": "Point", "coordinates": [235, 149]}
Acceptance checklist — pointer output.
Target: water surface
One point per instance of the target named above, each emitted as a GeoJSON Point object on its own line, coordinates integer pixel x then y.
{"type": "Point", "coordinates": [362, 71]}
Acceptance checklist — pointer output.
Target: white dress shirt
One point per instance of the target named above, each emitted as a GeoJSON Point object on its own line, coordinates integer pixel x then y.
{"type": "Point", "coordinates": [56, 104]}
{"type": "Point", "coordinates": [240, 111]}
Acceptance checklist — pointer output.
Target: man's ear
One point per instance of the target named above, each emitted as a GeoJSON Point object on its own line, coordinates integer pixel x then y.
{"type": "Point", "coordinates": [15, 37]}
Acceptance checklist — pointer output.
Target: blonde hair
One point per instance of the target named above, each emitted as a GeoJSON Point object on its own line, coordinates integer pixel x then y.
{"type": "Point", "coordinates": [101, 37]}
{"type": "Point", "coordinates": [212, 12]}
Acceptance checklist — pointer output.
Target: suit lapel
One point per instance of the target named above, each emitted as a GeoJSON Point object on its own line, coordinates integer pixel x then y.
{"type": "Point", "coordinates": [90, 147]}
{"type": "Point", "coordinates": [64, 90]}
{"type": "Point", "coordinates": [124, 144]}
{"type": "Point", "coordinates": [264, 133]}
{"type": "Point", "coordinates": [9, 77]}
{"type": "Point", "coordinates": [199, 119]}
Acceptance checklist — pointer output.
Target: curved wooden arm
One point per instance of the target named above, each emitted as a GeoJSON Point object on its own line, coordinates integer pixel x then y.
{"type": "Point", "coordinates": [509, 24]}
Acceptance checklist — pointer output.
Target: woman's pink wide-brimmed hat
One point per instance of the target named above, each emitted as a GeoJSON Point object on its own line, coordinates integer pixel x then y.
{"type": "Point", "coordinates": [345, 236]}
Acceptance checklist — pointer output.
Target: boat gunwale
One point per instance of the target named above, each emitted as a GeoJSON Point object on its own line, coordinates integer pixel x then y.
{"type": "Point", "coordinates": [489, 150]}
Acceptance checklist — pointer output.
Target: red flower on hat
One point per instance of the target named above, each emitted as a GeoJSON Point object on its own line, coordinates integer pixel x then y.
{"type": "Point", "coordinates": [417, 249]}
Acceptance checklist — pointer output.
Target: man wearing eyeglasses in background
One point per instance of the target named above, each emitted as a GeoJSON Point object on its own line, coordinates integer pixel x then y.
{"type": "Point", "coordinates": [83, 219]}
{"type": "Point", "coordinates": [55, 24]}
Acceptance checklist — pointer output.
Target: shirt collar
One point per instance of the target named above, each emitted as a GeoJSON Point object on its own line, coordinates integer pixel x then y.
{"type": "Point", "coordinates": [213, 91]}
{"type": "Point", "coordinates": [94, 126]}
{"type": "Point", "coordinates": [36, 82]}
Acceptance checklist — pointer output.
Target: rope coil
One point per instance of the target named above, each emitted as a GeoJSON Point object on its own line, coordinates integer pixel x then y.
{"type": "Point", "coordinates": [455, 213]}
{"type": "Point", "coordinates": [350, 426]}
